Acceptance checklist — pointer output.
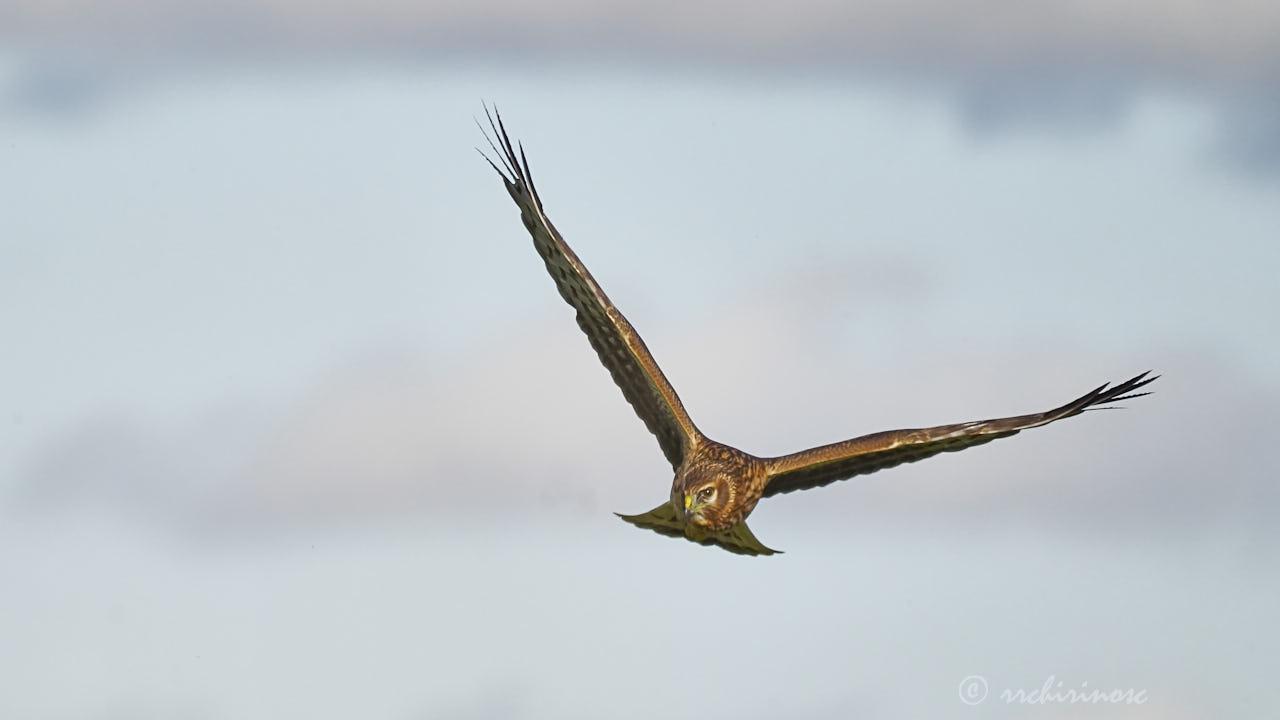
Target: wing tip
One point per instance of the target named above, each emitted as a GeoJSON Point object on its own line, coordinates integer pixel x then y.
{"type": "Point", "coordinates": [1097, 398]}
{"type": "Point", "coordinates": [518, 176]}
{"type": "Point", "coordinates": [502, 147]}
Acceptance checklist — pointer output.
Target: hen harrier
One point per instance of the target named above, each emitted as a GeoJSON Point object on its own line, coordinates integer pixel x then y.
{"type": "Point", "coordinates": [716, 486]}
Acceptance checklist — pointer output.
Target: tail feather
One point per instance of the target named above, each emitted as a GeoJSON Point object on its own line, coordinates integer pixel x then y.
{"type": "Point", "coordinates": [664, 520]}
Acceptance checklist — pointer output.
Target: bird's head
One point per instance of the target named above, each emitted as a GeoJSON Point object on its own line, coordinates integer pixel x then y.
{"type": "Point", "coordinates": [705, 500]}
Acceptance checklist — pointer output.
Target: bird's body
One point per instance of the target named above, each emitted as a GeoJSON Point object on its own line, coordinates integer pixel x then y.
{"type": "Point", "coordinates": [717, 486]}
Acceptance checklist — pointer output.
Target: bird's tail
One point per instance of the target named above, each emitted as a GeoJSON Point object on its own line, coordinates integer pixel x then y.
{"type": "Point", "coordinates": [664, 519]}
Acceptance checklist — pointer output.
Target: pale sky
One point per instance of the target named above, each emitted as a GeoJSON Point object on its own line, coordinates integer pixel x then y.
{"type": "Point", "coordinates": [297, 425]}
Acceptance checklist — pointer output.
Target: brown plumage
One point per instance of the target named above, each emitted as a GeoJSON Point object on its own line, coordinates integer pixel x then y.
{"type": "Point", "coordinates": [716, 486]}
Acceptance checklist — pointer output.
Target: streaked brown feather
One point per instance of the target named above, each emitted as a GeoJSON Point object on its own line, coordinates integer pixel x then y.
{"type": "Point", "coordinates": [826, 464]}
{"type": "Point", "coordinates": [615, 341]}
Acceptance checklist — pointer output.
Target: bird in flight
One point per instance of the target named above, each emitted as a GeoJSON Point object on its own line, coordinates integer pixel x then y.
{"type": "Point", "coordinates": [717, 486]}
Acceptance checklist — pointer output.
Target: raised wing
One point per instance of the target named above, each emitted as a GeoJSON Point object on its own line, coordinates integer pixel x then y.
{"type": "Point", "coordinates": [617, 343]}
{"type": "Point", "coordinates": [824, 465]}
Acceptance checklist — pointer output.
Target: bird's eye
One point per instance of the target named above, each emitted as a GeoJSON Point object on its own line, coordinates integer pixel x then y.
{"type": "Point", "coordinates": [706, 493]}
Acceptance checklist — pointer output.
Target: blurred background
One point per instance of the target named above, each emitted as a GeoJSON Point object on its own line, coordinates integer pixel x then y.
{"type": "Point", "coordinates": [296, 426]}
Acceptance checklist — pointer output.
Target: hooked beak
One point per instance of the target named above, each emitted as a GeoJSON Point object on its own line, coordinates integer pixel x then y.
{"type": "Point", "coordinates": [689, 508]}
{"type": "Point", "coordinates": [683, 506]}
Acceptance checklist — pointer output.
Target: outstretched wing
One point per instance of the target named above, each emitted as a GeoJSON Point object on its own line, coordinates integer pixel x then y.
{"type": "Point", "coordinates": [617, 343]}
{"type": "Point", "coordinates": [824, 465]}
